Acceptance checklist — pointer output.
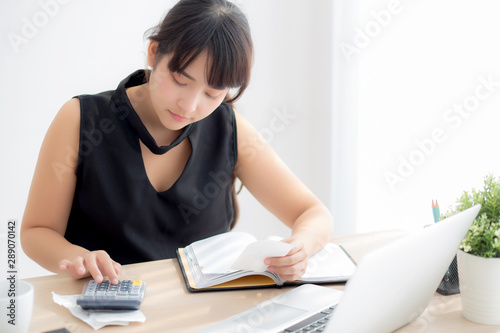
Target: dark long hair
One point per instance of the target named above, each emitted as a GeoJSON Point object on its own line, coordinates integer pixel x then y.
{"type": "Point", "coordinates": [219, 27]}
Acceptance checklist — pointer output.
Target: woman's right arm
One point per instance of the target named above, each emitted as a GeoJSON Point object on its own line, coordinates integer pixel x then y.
{"type": "Point", "coordinates": [49, 204]}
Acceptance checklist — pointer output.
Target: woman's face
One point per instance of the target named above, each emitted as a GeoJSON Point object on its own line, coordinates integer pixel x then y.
{"type": "Point", "coordinates": [182, 98]}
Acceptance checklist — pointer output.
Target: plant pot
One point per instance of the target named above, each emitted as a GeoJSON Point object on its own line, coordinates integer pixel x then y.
{"type": "Point", "coordinates": [480, 288]}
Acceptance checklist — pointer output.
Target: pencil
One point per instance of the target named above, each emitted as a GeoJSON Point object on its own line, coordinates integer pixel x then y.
{"type": "Point", "coordinates": [435, 211]}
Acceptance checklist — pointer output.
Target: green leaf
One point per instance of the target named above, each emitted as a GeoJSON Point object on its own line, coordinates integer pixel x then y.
{"type": "Point", "coordinates": [482, 239]}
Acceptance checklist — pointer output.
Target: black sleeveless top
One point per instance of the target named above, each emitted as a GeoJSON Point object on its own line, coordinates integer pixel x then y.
{"type": "Point", "coordinates": [115, 207]}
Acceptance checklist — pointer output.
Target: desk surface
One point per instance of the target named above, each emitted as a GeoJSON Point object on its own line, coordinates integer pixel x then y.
{"type": "Point", "coordinates": [169, 307]}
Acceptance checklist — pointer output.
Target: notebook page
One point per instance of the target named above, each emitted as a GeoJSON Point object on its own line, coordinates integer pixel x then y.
{"type": "Point", "coordinates": [253, 256]}
{"type": "Point", "coordinates": [331, 261]}
{"type": "Point", "coordinates": [216, 254]}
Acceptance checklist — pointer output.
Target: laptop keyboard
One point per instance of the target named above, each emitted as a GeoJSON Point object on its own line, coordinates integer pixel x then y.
{"type": "Point", "coordinates": [315, 323]}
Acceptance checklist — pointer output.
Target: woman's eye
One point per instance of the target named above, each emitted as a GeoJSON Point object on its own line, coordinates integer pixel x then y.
{"type": "Point", "coordinates": [177, 81]}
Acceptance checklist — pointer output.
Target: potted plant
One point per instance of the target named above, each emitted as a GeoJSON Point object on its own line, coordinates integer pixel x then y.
{"type": "Point", "coordinates": [479, 254]}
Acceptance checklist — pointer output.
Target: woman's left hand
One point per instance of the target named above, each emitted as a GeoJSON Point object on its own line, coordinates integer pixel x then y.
{"type": "Point", "coordinates": [293, 265]}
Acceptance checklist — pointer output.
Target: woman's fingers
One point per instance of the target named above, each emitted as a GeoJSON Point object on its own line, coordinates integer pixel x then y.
{"type": "Point", "coordinates": [75, 268]}
{"type": "Point", "coordinates": [98, 264]}
{"type": "Point", "coordinates": [293, 265]}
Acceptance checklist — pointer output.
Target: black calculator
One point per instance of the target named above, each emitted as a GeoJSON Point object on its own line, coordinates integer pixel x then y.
{"type": "Point", "coordinates": [126, 295]}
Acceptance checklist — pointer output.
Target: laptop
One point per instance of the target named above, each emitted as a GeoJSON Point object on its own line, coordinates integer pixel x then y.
{"type": "Point", "coordinates": [391, 287]}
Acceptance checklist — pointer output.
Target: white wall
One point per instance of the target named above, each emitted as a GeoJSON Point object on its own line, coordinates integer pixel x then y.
{"type": "Point", "coordinates": [291, 75]}
{"type": "Point", "coordinates": [344, 99]}
{"type": "Point", "coordinates": [424, 62]}
{"type": "Point", "coordinates": [80, 47]}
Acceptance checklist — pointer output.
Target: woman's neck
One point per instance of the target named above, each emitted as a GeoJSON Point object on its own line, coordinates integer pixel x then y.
{"type": "Point", "coordinates": [140, 99]}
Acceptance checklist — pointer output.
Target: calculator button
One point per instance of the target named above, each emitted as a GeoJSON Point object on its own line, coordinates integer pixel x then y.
{"type": "Point", "coordinates": [100, 295]}
{"type": "Point", "coordinates": [122, 295]}
{"type": "Point", "coordinates": [126, 295]}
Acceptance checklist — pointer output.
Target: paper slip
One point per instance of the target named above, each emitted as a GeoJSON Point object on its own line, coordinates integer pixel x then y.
{"type": "Point", "coordinates": [98, 319]}
{"type": "Point", "coordinates": [252, 258]}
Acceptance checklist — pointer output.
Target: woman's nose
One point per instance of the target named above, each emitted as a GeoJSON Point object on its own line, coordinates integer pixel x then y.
{"type": "Point", "coordinates": [188, 102]}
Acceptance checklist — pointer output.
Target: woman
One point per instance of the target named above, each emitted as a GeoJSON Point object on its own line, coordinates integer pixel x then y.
{"type": "Point", "coordinates": [132, 174]}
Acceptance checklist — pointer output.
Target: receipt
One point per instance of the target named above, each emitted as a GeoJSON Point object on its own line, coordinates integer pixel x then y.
{"type": "Point", "coordinates": [98, 319]}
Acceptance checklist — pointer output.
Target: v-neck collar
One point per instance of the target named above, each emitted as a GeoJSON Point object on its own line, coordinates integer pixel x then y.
{"type": "Point", "coordinates": [127, 110]}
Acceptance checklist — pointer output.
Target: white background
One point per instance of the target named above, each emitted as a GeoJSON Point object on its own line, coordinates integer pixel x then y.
{"type": "Point", "coordinates": [357, 116]}
{"type": "Point", "coordinates": [427, 60]}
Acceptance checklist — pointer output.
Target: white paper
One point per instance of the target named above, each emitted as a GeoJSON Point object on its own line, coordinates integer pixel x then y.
{"type": "Point", "coordinates": [98, 319]}
{"type": "Point", "coordinates": [252, 258]}
{"type": "Point", "coordinates": [216, 254]}
{"type": "Point", "coordinates": [330, 261]}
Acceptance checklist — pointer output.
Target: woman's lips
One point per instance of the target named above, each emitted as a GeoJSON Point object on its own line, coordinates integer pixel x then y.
{"type": "Point", "coordinates": [178, 117]}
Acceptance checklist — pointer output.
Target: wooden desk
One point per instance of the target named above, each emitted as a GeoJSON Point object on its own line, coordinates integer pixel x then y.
{"type": "Point", "coordinates": [169, 307]}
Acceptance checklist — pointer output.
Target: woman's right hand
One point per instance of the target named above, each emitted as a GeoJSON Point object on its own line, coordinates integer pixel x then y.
{"type": "Point", "coordinates": [97, 264]}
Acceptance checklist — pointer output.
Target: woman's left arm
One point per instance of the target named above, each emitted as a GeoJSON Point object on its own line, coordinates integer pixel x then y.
{"type": "Point", "coordinates": [275, 186]}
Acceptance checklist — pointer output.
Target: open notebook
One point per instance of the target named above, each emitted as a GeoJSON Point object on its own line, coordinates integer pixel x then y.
{"type": "Point", "coordinates": [235, 260]}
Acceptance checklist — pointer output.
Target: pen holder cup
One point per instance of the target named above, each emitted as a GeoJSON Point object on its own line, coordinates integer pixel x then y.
{"type": "Point", "coordinates": [449, 284]}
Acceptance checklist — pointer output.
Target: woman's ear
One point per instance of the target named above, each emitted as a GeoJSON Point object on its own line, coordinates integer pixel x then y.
{"type": "Point", "coordinates": [152, 53]}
